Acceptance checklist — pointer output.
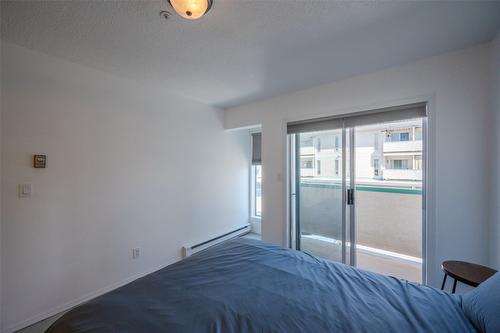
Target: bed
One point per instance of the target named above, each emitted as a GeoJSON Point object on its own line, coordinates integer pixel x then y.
{"type": "Point", "coordinates": [245, 285]}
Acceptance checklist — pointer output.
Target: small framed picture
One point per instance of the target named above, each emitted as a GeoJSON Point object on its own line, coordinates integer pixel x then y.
{"type": "Point", "coordinates": [39, 161]}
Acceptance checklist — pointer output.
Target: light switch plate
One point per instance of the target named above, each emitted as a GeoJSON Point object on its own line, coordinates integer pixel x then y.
{"type": "Point", "coordinates": [25, 190]}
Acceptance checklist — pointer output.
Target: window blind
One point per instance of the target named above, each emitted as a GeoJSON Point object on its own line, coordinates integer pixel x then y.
{"type": "Point", "coordinates": [256, 149]}
{"type": "Point", "coordinates": [402, 112]}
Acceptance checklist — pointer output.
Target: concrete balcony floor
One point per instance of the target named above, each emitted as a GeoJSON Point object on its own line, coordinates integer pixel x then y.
{"type": "Point", "coordinates": [368, 260]}
{"type": "Point", "coordinates": [374, 262]}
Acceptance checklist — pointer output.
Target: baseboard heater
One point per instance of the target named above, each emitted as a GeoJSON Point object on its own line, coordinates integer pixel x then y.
{"type": "Point", "coordinates": [188, 250]}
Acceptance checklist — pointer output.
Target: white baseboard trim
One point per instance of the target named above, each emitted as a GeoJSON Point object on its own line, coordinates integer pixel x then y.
{"type": "Point", "coordinates": [69, 305]}
{"type": "Point", "coordinates": [188, 250]}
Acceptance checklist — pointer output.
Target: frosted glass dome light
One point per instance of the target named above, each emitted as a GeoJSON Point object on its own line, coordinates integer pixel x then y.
{"type": "Point", "coordinates": [191, 9]}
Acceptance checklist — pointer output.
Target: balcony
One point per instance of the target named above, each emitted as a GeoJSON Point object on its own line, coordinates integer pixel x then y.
{"type": "Point", "coordinates": [403, 147]}
{"type": "Point", "coordinates": [307, 172]}
{"type": "Point", "coordinates": [309, 150]}
{"type": "Point", "coordinates": [402, 174]}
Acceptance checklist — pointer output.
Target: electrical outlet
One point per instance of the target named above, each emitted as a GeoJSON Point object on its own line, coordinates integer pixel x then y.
{"type": "Point", "coordinates": [136, 253]}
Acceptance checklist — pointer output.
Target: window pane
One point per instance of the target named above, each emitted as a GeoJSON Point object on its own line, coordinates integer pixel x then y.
{"type": "Point", "coordinates": [258, 190]}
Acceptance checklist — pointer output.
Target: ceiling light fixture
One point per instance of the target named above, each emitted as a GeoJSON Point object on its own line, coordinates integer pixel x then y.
{"type": "Point", "coordinates": [191, 9]}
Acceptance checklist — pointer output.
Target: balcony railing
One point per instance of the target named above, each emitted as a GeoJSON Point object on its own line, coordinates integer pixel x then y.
{"type": "Point", "coordinates": [306, 150]}
{"type": "Point", "coordinates": [403, 146]}
{"type": "Point", "coordinates": [388, 225]}
{"type": "Point", "coordinates": [307, 172]}
{"type": "Point", "coordinates": [402, 174]}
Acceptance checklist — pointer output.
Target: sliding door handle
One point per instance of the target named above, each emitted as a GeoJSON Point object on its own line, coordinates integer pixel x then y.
{"type": "Point", "coordinates": [350, 196]}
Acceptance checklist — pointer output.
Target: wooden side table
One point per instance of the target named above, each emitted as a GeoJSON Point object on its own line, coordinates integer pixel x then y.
{"type": "Point", "coordinates": [465, 272]}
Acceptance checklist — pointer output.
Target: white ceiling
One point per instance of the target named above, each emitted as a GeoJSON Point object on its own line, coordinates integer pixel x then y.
{"type": "Point", "coordinates": [245, 50]}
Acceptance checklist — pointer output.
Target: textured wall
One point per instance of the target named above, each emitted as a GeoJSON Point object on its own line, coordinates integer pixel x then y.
{"type": "Point", "coordinates": [245, 50]}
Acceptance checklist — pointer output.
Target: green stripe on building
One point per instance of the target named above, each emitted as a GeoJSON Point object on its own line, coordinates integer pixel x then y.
{"type": "Point", "coordinates": [368, 188]}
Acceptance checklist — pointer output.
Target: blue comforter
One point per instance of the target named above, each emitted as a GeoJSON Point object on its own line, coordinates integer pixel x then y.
{"type": "Point", "coordinates": [249, 286]}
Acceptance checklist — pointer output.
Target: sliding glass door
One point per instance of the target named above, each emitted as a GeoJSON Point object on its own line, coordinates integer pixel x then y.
{"type": "Point", "coordinates": [320, 190]}
{"type": "Point", "coordinates": [389, 201]}
{"type": "Point", "coordinates": [357, 189]}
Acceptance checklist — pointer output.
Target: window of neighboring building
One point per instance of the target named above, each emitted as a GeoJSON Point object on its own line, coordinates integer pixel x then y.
{"type": "Point", "coordinates": [336, 142]}
{"type": "Point", "coordinates": [418, 162]}
{"type": "Point", "coordinates": [336, 167]}
{"type": "Point", "coordinates": [318, 145]}
{"type": "Point", "coordinates": [307, 143]}
{"type": "Point", "coordinates": [306, 163]}
{"type": "Point", "coordinates": [376, 167]}
{"type": "Point", "coordinates": [418, 133]}
{"type": "Point", "coordinates": [398, 164]}
{"type": "Point", "coordinates": [318, 167]}
{"type": "Point", "coordinates": [400, 136]}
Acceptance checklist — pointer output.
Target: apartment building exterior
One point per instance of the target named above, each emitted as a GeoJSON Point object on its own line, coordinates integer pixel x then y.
{"type": "Point", "coordinates": [386, 152]}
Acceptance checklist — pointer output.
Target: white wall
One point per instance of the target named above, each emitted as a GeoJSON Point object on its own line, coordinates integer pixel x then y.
{"type": "Point", "coordinates": [128, 166]}
{"type": "Point", "coordinates": [495, 220]}
{"type": "Point", "coordinates": [457, 88]}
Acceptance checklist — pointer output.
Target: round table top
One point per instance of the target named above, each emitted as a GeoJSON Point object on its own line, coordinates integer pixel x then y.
{"type": "Point", "coordinates": [466, 272]}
